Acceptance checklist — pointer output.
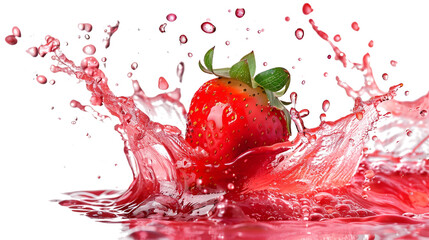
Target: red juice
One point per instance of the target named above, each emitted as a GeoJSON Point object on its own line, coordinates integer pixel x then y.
{"type": "Point", "coordinates": [367, 170]}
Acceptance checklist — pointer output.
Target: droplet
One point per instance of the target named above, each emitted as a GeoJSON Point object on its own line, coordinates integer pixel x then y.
{"type": "Point", "coordinates": [329, 56]}
{"type": "Point", "coordinates": [162, 27]}
{"type": "Point", "coordinates": [337, 38]}
{"type": "Point", "coordinates": [227, 43]}
{"type": "Point", "coordinates": [180, 70]}
{"type": "Point", "coordinates": [89, 49]}
{"type": "Point", "coordinates": [304, 113]}
{"type": "Point", "coordinates": [134, 65]}
{"type": "Point", "coordinates": [287, 18]}
{"type": "Point", "coordinates": [371, 44]}
{"type": "Point", "coordinates": [190, 54]}
{"type": "Point", "coordinates": [407, 93]}
{"type": "Point", "coordinates": [423, 113]}
{"type": "Point", "coordinates": [207, 27]}
{"type": "Point", "coordinates": [299, 59]}
{"type": "Point", "coordinates": [183, 39]}
{"type": "Point", "coordinates": [239, 12]}
{"type": "Point", "coordinates": [355, 26]}
{"type": "Point", "coordinates": [87, 37]}
{"type": "Point", "coordinates": [85, 27]}
{"type": "Point", "coordinates": [325, 105]}
{"type": "Point", "coordinates": [41, 79]}
{"type": "Point", "coordinates": [325, 74]}
{"type": "Point", "coordinates": [231, 186]}
{"type": "Point", "coordinates": [33, 51]}
{"type": "Point", "coordinates": [162, 83]}
{"type": "Point", "coordinates": [385, 76]}
{"type": "Point", "coordinates": [393, 63]}
{"type": "Point", "coordinates": [299, 33]}
{"type": "Point", "coordinates": [171, 17]}
{"type": "Point", "coordinates": [11, 40]}
{"type": "Point", "coordinates": [293, 97]}
{"type": "Point", "coordinates": [409, 132]}
{"type": "Point", "coordinates": [306, 9]}
{"type": "Point", "coordinates": [52, 82]}
{"type": "Point", "coordinates": [16, 31]}
{"type": "Point", "coordinates": [322, 117]}
{"type": "Point", "coordinates": [303, 82]}
{"type": "Point", "coordinates": [265, 64]}
{"type": "Point", "coordinates": [103, 59]}
{"type": "Point", "coordinates": [369, 174]}
{"type": "Point", "coordinates": [130, 74]}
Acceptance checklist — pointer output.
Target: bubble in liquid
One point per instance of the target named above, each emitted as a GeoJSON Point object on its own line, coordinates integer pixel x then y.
{"type": "Point", "coordinates": [325, 105]}
{"type": "Point", "coordinates": [89, 49]}
{"type": "Point", "coordinates": [369, 174]}
{"type": "Point", "coordinates": [134, 65]}
{"type": "Point", "coordinates": [299, 33]}
{"type": "Point", "coordinates": [239, 12]}
{"type": "Point", "coordinates": [371, 44]}
{"type": "Point", "coordinates": [231, 186]}
{"type": "Point", "coordinates": [306, 9]}
{"type": "Point", "coordinates": [337, 38]}
{"type": "Point", "coordinates": [393, 63]}
{"type": "Point", "coordinates": [171, 17]}
{"type": "Point", "coordinates": [162, 27]}
{"type": "Point", "coordinates": [355, 26]}
{"type": "Point", "coordinates": [162, 83]}
{"type": "Point", "coordinates": [287, 18]}
{"type": "Point", "coordinates": [207, 27]}
{"type": "Point", "coordinates": [16, 31]}
{"type": "Point", "coordinates": [11, 40]}
{"type": "Point", "coordinates": [385, 76]}
{"type": "Point", "coordinates": [33, 51]}
{"type": "Point", "coordinates": [183, 39]}
{"type": "Point", "coordinates": [423, 113]}
{"type": "Point", "coordinates": [41, 79]}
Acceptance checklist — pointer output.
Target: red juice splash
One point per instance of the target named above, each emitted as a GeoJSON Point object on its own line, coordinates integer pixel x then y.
{"type": "Point", "coordinates": [328, 172]}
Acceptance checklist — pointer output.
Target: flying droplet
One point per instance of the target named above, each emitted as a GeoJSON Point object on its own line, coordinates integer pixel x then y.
{"type": "Point", "coordinates": [41, 79]}
{"type": "Point", "coordinates": [393, 63]}
{"type": "Point", "coordinates": [239, 12]}
{"type": "Point", "coordinates": [33, 51]}
{"type": "Point", "coordinates": [385, 76]}
{"type": "Point", "coordinates": [287, 18]}
{"type": "Point", "coordinates": [171, 17]}
{"type": "Point", "coordinates": [134, 65]}
{"type": "Point", "coordinates": [371, 44]}
{"type": "Point", "coordinates": [11, 40]}
{"type": "Point", "coordinates": [299, 33]}
{"type": "Point", "coordinates": [227, 43]}
{"type": "Point", "coordinates": [183, 39]}
{"type": "Point", "coordinates": [207, 27]}
{"type": "Point", "coordinates": [16, 31]}
{"type": "Point", "coordinates": [162, 83]}
{"type": "Point", "coordinates": [409, 132]}
{"type": "Point", "coordinates": [293, 97]}
{"type": "Point", "coordinates": [407, 93]}
{"type": "Point", "coordinates": [325, 74]}
{"type": "Point", "coordinates": [355, 26]}
{"type": "Point", "coordinates": [325, 105]}
{"type": "Point", "coordinates": [306, 9]}
{"type": "Point", "coordinates": [337, 38]}
{"type": "Point", "coordinates": [162, 27]}
{"type": "Point", "coordinates": [89, 49]}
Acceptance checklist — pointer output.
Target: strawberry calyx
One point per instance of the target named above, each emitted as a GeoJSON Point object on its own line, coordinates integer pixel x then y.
{"type": "Point", "coordinates": [274, 81]}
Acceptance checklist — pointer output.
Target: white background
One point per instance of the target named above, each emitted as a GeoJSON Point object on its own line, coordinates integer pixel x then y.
{"type": "Point", "coordinates": [42, 156]}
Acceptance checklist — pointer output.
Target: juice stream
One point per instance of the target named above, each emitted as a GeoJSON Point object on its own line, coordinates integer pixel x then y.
{"type": "Point", "coordinates": [369, 167]}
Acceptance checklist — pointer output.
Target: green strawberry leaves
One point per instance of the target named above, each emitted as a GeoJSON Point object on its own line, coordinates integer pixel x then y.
{"type": "Point", "coordinates": [275, 81]}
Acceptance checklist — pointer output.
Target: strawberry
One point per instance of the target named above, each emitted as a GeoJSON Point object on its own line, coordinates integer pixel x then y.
{"type": "Point", "coordinates": [230, 115]}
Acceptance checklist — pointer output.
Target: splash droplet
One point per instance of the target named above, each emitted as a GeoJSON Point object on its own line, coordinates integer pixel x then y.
{"type": "Point", "coordinates": [239, 12]}
{"type": "Point", "coordinates": [207, 27]}
{"type": "Point", "coordinates": [190, 54]}
{"type": "Point", "coordinates": [325, 105]}
{"type": "Point", "coordinates": [162, 27]}
{"type": "Point", "coordinates": [11, 40]}
{"type": "Point", "coordinates": [407, 93]}
{"type": "Point", "coordinates": [33, 51]}
{"type": "Point", "coordinates": [129, 75]}
{"type": "Point", "coordinates": [303, 82]}
{"type": "Point", "coordinates": [171, 17]}
{"type": "Point", "coordinates": [355, 26]}
{"type": "Point", "coordinates": [299, 33]}
{"type": "Point", "coordinates": [409, 132]}
{"type": "Point", "coordinates": [371, 44]}
{"type": "Point", "coordinates": [293, 97]}
{"type": "Point", "coordinates": [306, 9]}
{"type": "Point", "coordinates": [359, 115]}
{"type": "Point", "coordinates": [134, 65]}
{"type": "Point", "coordinates": [227, 43]}
{"type": "Point", "coordinates": [393, 63]}
{"type": "Point", "coordinates": [41, 79]}
{"type": "Point", "coordinates": [162, 83]}
{"type": "Point", "coordinates": [337, 38]}
{"type": "Point", "coordinates": [385, 76]}
{"type": "Point", "coordinates": [287, 18]}
{"type": "Point", "coordinates": [183, 39]}
{"type": "Point", "coordinates": [322, 117]}
{"type": "Point", "coordinates": [89, 49]}
{"type": "Point", "coordinates": [16, 31]}
{"type": "Point", "coordinates": [85, 27]}
{"type": "Point", "coordinates": [265, 64]}
{"type": "Point", "coordinates": [325, 74]}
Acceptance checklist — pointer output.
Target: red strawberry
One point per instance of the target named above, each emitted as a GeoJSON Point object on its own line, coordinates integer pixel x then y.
{"type": "Point", "coordinates": [227, 117]}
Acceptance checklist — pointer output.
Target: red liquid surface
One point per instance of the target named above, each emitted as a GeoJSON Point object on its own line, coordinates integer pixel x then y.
{"type": "Point", "coordinates": [367, 170]}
